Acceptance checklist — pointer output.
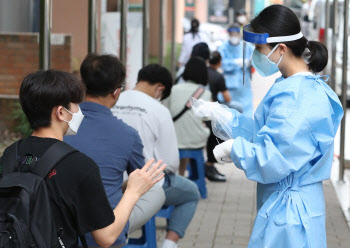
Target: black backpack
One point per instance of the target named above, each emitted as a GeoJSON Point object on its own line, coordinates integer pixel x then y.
{"type": "Point", "coordinates": [26, 219]}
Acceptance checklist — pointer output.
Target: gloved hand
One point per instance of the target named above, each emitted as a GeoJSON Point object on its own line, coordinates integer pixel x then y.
{"type": "Point", "coordinates": [239, 62]}
{"type": "Point", "coordinates": [222, 152]}
{"type": "Point", "coordinates": [201, 108]}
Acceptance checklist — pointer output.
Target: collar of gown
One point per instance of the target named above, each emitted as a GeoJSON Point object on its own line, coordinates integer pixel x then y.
{"type": "Point", "coordinates": [303, 73]}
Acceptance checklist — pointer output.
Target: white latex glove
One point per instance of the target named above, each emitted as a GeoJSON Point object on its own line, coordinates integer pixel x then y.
{"type": "Point", "coordinates": [239, 62]}
{"type": "Point", "coordinates": [222, 152]}
{"type": "Point", "coordinates": [201, 108]}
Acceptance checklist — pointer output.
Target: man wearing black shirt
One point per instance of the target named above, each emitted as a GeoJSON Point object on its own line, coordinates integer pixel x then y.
{"type": "Point", "coordinates": [78, 200]}
{"type": "Point", "coordinates": [217, 85]}
{"type": "Point", "coordinates": [216, 80]}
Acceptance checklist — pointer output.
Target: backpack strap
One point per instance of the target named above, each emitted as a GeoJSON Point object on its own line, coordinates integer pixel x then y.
{"type": "Point", "coordinates": [44, 166]}
{"type": "Point", "coordinates": [51, 158]}
{"type": "Point", "coordinates": [197, 94]}
{"type": "Point", "coordinates": [83, 241]}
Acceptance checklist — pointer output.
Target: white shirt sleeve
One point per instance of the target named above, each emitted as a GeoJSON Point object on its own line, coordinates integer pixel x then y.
{"type": "Point", "coordinates": [186, 50]}
{"type": "Point", "coordinates": [166, 146]}
{"type": "Point", "coordinates": [187, 45]}
{"type": "Point", "coordinates": [204, 38]}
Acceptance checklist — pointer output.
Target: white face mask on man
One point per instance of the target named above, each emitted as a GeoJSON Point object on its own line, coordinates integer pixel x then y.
{"type": "Point", "coordinates": [159, 93]}
{"type": "Point", "coordinates": [75, 122]}
{"type": "Point", "coordinates": [242, 19]}
{"type": "Point", "coordinates": [234, 40]}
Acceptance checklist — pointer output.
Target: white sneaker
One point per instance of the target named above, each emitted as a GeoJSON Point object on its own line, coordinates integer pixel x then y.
{"type": "Point", "coordinates": [169, 244]}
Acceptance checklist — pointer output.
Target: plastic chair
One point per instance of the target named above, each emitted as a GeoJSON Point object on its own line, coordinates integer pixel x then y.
{"type": "Point", "coordinates": [148, 238]}
{"type": "Point", "coordinates": [196, 169]}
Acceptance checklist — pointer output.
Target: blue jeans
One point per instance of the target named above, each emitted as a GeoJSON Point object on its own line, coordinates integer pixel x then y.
{"type": "Point", "coordinates": [183, 194]}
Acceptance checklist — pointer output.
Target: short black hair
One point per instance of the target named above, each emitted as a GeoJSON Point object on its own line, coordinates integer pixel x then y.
{"type": "Point", "coordinates": [241, 12]}
{"type": "Point", "coordinates": [41, 91]}
{"type": "Point", "coordinates": [215, 58]}
{"type": "Point", "coordinates": [196, 71]}
{"type": "Point", "coordinates": [102, 74]}
{"type": "Point", "coordinates": [194, 22]}
{"type": "Point", "coordinates": [194, 27]}
{"type": "Point", "coordinates": [154, 73]}
{"type": "Point", "coordinates": [201, 50]}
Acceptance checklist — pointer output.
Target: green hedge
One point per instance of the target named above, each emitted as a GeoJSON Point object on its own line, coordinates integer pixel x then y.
{"type": "Point", "coordinates": [22, 126]}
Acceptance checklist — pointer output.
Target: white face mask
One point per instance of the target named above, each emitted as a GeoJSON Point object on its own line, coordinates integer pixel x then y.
{"type": "Point", "coordinates": [234, 40]}
{"type": "Point", "coordinates": [158, 95]}
{"type": "Point", "coordinates": [242, 19]}
{"type": "Point", "coordinates": [74, 123]}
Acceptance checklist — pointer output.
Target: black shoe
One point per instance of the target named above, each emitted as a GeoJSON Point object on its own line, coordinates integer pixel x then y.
{"type": "Point", "coordinates": [211, 174]}
{"type": "Point", "coordinates": [217, 172]}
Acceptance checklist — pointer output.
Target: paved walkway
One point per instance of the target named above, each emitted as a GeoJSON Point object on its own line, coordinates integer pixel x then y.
{"type": "Point", "coordinates": [226, 218]}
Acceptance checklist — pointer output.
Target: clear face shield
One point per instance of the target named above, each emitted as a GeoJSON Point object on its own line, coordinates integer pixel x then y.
{"type": "Point", "coordinates": [261, 62]}
{"type": "Point", "coordinates": [235, 38]}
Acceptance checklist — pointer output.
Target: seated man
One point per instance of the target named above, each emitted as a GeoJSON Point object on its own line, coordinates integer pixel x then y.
{"type": "Point", "coordinates": [141, 109]}
{"type": "Point", "coordinates": [77, 198]}
{"type": "Point", "coordinates": [112, 144]}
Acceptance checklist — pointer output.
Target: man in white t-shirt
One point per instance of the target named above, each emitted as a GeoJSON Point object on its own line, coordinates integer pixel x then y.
{"type": "Point", "coordinates": [141, 109]}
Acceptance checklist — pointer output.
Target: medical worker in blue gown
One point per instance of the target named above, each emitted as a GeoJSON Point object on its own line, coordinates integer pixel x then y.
{"type": "Point", "coordinates": [232, 64]}
{"type": "Point", "coordinates": [288, 147]}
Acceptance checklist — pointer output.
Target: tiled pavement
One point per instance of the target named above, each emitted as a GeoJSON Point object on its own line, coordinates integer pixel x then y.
{"type": "Point", "coordinates": [226, 218]}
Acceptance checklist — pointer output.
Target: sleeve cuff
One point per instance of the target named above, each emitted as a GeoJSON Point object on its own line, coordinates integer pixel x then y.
{"type": "Point", "coordinates": [236, 152]}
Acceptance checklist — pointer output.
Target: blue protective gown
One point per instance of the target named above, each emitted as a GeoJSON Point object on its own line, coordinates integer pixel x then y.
{"type": "Point", "coordinates": [233, 74]}
{"type": "Point", "coordinates": [288, 150]}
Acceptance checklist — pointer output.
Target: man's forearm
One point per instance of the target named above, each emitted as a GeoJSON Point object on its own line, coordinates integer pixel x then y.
{"type": "Point", "coordinates": [105, 237]}
{"type": "Point", "coordinates": [140, 181]}
{"type": "Point", "coordinates": [123, 210]}
{"type": "Point", "coordinates": [227, 96]}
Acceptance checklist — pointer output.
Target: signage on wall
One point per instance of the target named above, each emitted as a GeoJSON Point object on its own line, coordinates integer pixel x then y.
{"type": "Point", "coordinates": [110, 41]}
{"type": "Point", "coordinates": [190, 5]}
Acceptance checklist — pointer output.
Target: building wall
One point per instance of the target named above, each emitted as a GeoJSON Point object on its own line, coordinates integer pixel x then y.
{"type": "Point", "coordinates": [72, 17]}
{"type": "Point", "coordinates": [201, 10]}
{"type": "Point", "coordinates": [74, 20]}
{"type": "Point", "coordinates": [179, 19]}
{"type": "Point", "coordinates": [19, 56]}
{"type": "Point", "coordinates": [154, 27]}
{"type": "Point", "coordinates": [180, 13]}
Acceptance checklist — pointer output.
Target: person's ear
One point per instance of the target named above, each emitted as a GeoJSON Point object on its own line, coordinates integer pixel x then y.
{"type": "Point", "coordinates": [159, 90]}
{"type": "Point", "coordinates": [283, 49]}
{"type": "Point", "coordinates": [59, 113]}
{"type": "Point", "coordinates": [161, 87]}
{"type": "Point", "coordinates": [117, 92]}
